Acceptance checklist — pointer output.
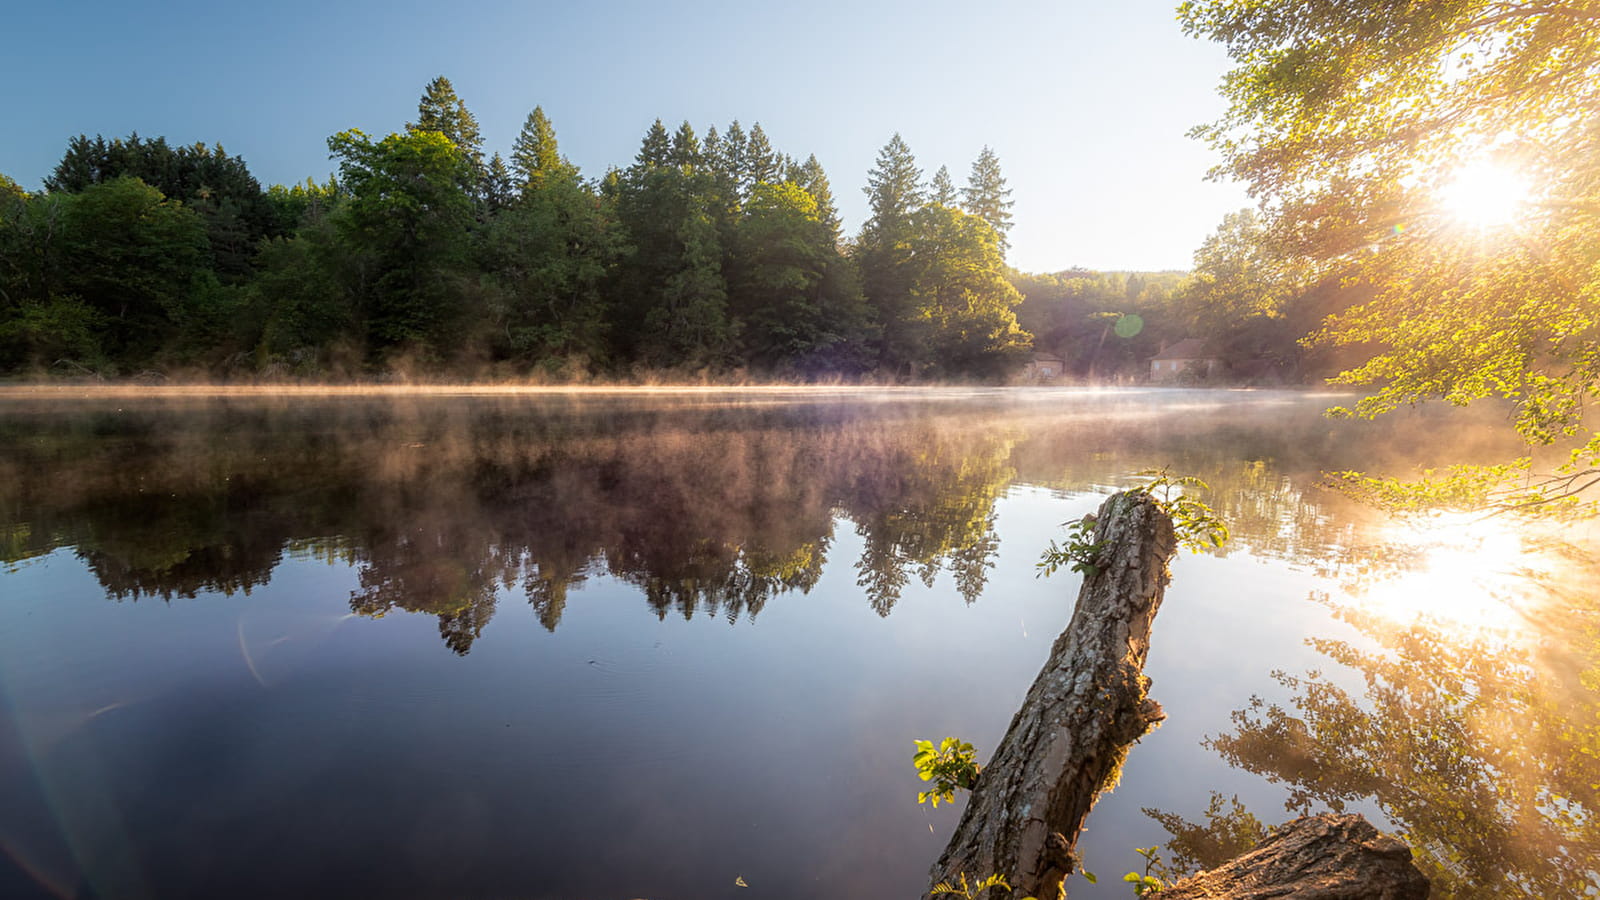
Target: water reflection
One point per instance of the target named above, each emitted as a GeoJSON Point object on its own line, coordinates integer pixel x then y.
{"type": "Point", "coordinates": [447, 506]}
{"type": "Point", "coordinates": [1473, 722]}
{"type": "Point", "coordinates": [813, 515]}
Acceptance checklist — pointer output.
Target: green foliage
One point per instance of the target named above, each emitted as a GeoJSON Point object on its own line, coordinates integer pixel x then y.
{"type": "Point", "coordinates": [132, 256]}
{"type": "Point", "coordinates": [969, 892]}
{"type": "Point", "coordinates": [987, 197]}
{"type": "Point", "coordinates": [1195, 524]}
{"type": "Point", "coordinates": [722, 257]}
{"type": "Point", "coordinates": [670, 303]}
{"type": "Point", "coordinates": [547, 259]}
{"type": "Point", "coordinates": [1080, 552]}
{"type": "Point", "coordinates": [409, 215]}
{"type": "Point", "coordinates": [536, 158]}
{"type": "Point", "coordinates": [216, 186]}
{"type": "Point", "coordinates": [762, 165]}
{"type": "Point", "coordinates": [960, 319]}
{"type": "Point", "coordinates": [441, 111]}
{"type": "Point", "coordinates": [942, 190]}
{"type": "Point", "coordinates": [935, 278]}
{"type": "Point", "coordinates": [1247, 299]}
{"type": "Point", "coordinates": [953, 764]}
{"type": "Point", "coordinates": [1156, 876]}
{"type": "Point", "coordinates": [1083, 316]}
{"type": "Point", "coordinates": [1351, 124]}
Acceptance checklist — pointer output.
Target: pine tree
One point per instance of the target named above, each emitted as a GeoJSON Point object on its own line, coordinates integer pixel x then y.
{"type": "Point", "coordinates": [735, 158]}
{"type": "Point", "coordinates": [656, 150]}
{"type": "Point", "coordinates": [711, 149]}
{"type": "Point", "coordinates": [894, 190]}
{"type": "Point", "coordinates": [942, 191]}
{"type": "Point", "coordinates": [685, 149]}
{"type": "Point", "coordinates": [987, 197]}
{"type": "Point", "coordinates": [762, 163]}
{"type": "Point", "coordinates": [498, 188]}
{"type": "Point", "coordinates": [535, 157]}
{"type": "Point", "coordinates": [442, 111]}
{"type": "Point", "coordinates": [810, 176]}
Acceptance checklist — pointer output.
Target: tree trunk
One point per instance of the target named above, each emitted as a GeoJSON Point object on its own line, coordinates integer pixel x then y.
{"type": "Point", "coordinates": [1324, 857]}
{"type": "Point", "coordinates": [1087, 706]}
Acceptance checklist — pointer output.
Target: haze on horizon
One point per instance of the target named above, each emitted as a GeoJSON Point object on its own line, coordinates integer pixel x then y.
{"type": "Point", "coordinates": [1086, 105]}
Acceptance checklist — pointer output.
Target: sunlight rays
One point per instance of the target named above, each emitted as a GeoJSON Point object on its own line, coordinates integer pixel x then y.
{"type": "Point", "coordinates": [1486, 195]}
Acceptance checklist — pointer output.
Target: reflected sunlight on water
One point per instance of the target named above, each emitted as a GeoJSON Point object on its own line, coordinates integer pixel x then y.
{"type": "Point", "coordinates": [1465, 575]}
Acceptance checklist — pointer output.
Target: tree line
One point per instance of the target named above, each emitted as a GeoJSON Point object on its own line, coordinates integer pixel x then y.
{"type": "Point", "coordinates": [708, 253]}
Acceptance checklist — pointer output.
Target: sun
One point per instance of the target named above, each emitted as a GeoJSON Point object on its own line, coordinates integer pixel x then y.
{"type": "Point", "coordinates": [1485, 195]}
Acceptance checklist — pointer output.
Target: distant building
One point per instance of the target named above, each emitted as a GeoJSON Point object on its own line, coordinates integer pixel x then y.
{"type": "Point", "coordinates": [1045, 367]}
{"type": "Point", "coordinates": [1187, 355]}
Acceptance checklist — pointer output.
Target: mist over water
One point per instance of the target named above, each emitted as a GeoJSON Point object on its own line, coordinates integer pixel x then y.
{"type": "Point", "coordinates": [612, 643]}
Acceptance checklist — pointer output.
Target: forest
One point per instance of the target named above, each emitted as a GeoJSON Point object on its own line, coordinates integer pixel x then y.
{"type": "Point", "coordinates": [711, 255]}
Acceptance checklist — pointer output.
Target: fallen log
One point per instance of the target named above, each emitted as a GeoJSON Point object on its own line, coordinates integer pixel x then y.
{"type": "Point", "coordinates": [1088, 704]}
{"type": "Point", "coordinates": [1323, 857]}
{"type": "Point", "coordinates": [1087, 707]}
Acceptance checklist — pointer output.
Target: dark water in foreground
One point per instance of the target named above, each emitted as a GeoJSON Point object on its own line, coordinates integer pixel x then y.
{"type": "Point", "coordinates": [620, 646]}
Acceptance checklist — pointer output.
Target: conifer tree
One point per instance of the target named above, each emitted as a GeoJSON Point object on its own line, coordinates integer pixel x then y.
{"type": "Point", "coordinates": [942, 191]}
{"type": "Point", "coordinates": [535, 157]}
{"type": "Point", "coordinates": [735, 158]}
{"type": "Point", "coordinates": [711, 149]}
{"type": "Point", "coordinates": [685, 148]}
{"type": "Point", "coordinates": [442, 111]}
{"type": "Point", "coordinates": [763, 165]}
{"type": "Point", "coordinates": [894, 190]}
{"type": "Point", "coordinates": [809, 175]}
{"type": "Point", "coordinates": [987, 197]}
{"type": "Point", "coordinates": [498, 189]}
{"type": "Point", "coordinates": [656, 150]}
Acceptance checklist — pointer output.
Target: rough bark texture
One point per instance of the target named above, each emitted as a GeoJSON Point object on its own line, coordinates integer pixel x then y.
{"type": "Point", "coordinates": [1067, 742]}
{"type": "Point", "coordinates": [1325, 857]}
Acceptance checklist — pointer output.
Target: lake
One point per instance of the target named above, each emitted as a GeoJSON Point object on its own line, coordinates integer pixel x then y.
{"type": "Point", "coordinates": [677, 644]}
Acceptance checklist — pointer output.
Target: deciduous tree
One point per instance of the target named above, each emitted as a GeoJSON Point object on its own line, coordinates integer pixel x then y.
{"type": "Point", "coordinates": [1366, 128]}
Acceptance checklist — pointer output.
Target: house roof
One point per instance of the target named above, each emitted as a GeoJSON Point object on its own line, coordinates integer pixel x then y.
{"type": "Point", "coordinates": [1188, 348]}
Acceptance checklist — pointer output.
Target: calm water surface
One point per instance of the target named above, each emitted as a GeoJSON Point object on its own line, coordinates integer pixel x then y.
{"type": "Point", "coordinates": [641, 646]}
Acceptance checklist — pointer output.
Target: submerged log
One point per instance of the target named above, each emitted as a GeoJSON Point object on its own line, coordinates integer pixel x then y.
{"type": "Point", "coordinates": [1087, 706]}
{"type": "Point", "coordinates": [1324, 857]}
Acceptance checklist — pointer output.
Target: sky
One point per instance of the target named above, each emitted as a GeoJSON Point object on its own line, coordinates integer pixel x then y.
{"type": "Point", "coordinates": [1087, 104]}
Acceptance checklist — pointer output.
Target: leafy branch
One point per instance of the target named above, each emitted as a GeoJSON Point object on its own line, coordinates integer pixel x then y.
{"type": "Point", "coordinates": [1197, 525]}
{"type": "Point", "coordinates": [953, 764]}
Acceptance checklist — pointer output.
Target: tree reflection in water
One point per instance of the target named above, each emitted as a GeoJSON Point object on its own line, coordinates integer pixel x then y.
{"type": "Point", "coordinates": [1478, 739]}
{"type": "Point", "coordinates": [443, 510]}
{"type": "Point", "coordinates": [709, 506]}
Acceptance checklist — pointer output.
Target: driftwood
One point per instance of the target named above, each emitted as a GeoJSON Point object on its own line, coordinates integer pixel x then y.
{"type": "Point", "coordinates": [1326, 857]}
{"type": "Point", "coordinates": [1087, 706]}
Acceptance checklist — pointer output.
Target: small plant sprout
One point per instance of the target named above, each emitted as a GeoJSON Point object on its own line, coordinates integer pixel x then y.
{"type": "Point", "coordinates": [970, 892]}
{"type": "Point", "coordinates": [951, 765]}
{"type": "Point", "coordinates": [1156, 877]}
{"type": "Point", "coordinates": [1197, 526]}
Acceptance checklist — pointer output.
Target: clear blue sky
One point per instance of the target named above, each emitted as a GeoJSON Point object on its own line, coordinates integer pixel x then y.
{"type": "Point", "coordinates": [1086, 103]}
